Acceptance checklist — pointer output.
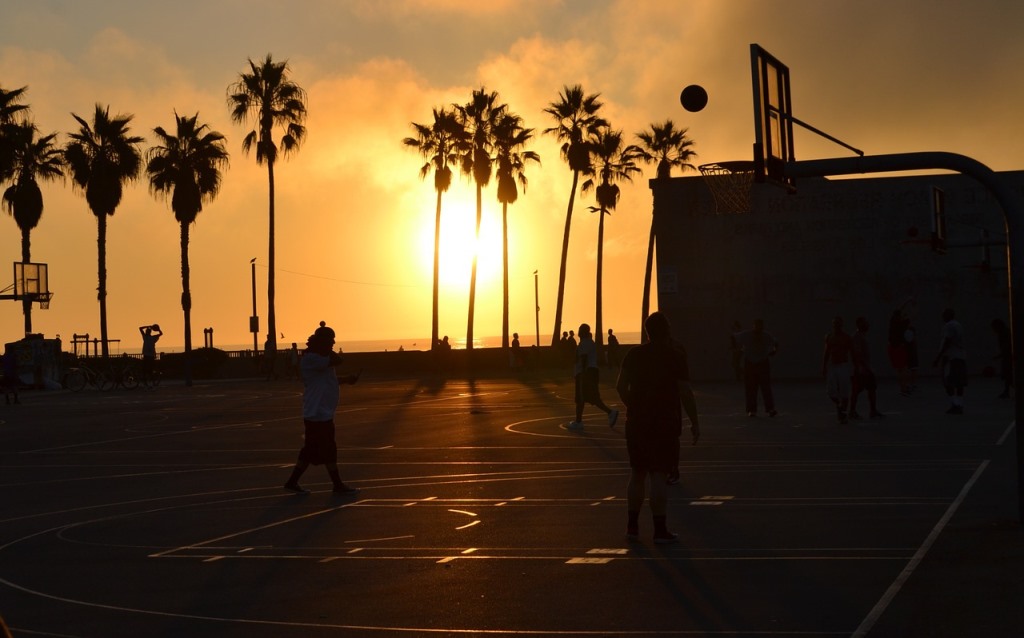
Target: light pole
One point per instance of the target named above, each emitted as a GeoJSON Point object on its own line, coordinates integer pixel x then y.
{"type": "Point", "coordinates": [254, 320]}
{"type": "Point", "coordinates": [536, 303]}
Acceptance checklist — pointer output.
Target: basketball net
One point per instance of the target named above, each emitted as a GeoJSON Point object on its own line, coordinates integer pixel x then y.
{"type": "Point", "coordinates": [730, 184]}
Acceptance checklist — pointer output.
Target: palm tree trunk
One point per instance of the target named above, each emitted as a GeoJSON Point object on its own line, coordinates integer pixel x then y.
{"type": "Point", "coordinates": [598, 327]}
{"type": "Point", "coordinates": [101, 288]}
{"type": "Point", "coordinates": [186, 302]}
{"type": "Point", "coordinates": [565, 256]}
{"type": "Point", "coordinates": [434, 332]}
{"type": "Point", "coordinates": [645, 309]}
{"type": "Point", "coordinates": [271, 314]}
{"type": "Point", "coordinates": [26, 257]}
{"type": "Point", "coordinates": [504, 262]}
{"type": "Point", "coordinates": [472, 274]}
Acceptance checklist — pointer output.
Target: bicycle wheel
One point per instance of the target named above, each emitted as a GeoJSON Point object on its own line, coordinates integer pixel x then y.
{"type": "Point", "coordinates": [154, 379]}
{"type": "Point", "coordinates": [74, 379]}
{"type": "Point", "coordinates": [103, 381]}
{"type": "Point", "coordinates": [128, 379]}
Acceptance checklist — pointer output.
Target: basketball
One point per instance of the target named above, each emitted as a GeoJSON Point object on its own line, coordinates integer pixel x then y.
{"type": "Point", "coordinates": [693, 98]}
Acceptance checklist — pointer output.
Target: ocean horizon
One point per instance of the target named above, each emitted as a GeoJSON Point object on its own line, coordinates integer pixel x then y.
{"type": "Point", "coordinates": [374, 345]}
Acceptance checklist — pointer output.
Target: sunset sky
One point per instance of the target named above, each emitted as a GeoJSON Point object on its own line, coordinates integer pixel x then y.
{"type": "Point", "coordinates": [355, 221]}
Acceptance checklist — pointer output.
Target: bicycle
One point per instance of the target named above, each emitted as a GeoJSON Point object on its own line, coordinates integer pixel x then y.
{"type": "Point", "coordinates": [125, 375]}
{"type": "Point", "coordinates": [75, 379]}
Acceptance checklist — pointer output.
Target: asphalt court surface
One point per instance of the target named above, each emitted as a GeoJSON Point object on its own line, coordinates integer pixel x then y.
{"type": "Point", "coordinates": [160, 513]}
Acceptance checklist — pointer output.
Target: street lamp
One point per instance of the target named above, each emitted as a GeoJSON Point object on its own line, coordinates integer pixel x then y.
{"type": "Point", "coordinates": [536, 303]}
{"type": "Point", "coordinates": [254, 320]}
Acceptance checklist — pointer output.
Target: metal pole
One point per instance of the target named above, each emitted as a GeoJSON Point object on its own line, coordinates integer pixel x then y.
{"type": "Point", "coordinates": [255, 341]}
{"type": "Point", "coordinates": [1013, 211]}
{"type": "Point", "coordinates": [536, 303]}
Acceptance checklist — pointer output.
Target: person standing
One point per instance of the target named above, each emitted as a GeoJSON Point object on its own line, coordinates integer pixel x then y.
{"type": "Point", "coordinates": [653, 385]}
{"type": "Point", "coordinates": [835, 367]}
{"type": "Point", "coordinates": [320, 397]}
{"type": "Point", "coordinates": [1005, 355]}
{"type": "Point", "coordinates": [758, 347]}
{"type": "Point", "coordinates": [150, 335]}
{"type": "Point", "coordinates": [587, 376]}
{"type": "Point", "coordinates": [897, 349]}
{"type": "Point", "coordinates": [864, 379]}
{"type": "Point", "coordinates": [612, 349]}
{"type": "Point", "coordinates": [953, 359]}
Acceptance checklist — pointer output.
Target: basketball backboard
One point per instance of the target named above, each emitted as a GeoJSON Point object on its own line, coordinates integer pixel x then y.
{"type": "Point", "coordinates": [31, 282]}
{"type": "Point", "coordinates": [773, 118]}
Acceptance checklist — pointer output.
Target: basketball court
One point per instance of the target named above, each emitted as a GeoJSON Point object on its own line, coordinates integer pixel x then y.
{"type": "Point", "coordinates": [160, 513]}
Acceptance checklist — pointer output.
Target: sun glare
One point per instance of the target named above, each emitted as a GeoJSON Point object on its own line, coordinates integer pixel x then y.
{"type": "Point", "coordinates": [458, 245]}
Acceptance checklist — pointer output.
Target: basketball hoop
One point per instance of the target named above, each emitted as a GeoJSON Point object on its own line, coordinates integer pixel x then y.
{"type": "Point", "coordinates": [730, 184]}
{"type": "Point", "coordinates": [44, 300]}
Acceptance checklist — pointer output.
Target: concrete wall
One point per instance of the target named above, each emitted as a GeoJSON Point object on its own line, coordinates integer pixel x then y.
{"type": "Point", "coordinates": [836, 247]}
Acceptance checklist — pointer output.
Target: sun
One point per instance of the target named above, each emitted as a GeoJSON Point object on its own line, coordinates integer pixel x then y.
{"type": "Point", "coordinates": [459, 244]}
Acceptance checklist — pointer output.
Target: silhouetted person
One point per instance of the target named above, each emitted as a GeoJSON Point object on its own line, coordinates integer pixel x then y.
{"type": "Point", "coordinates": [653, 385]}
{"type": "Point", "coordinates": [319, 401]}
{"type": "Point", "coordinates": [587, 377]}
{"type": "Point", "coordinates": [150, 335]}
{"type": "Point", "coordinates": [953, 358]}
{"type": "Point", "coordinates": [837, 368]}
{"type": "Point", "coordinates": [897, 349]}
{"type": "Point", "coordinates": [864, 379]}
{"type": "Point", "coordinates": [515, 356]}
{"type": "Point", "coordinates": [612, 349]}
{"type": "Point", "coordinates": [293, 361]}
{"type": "Point", "coordinates": [757, 347]}
{"type": "Point", "coordinates": [10, 379]}
{"type": "Point", "coordinates": [1005, 355]}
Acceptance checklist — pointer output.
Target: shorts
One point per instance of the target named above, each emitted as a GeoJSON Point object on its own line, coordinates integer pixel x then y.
{"type": "Point", "coordinates": [898, 356]}
{"type": "Point", "coordinates": [320, 447]}
{"type": "Point", "coordinates": [954, 373]}
{"type": "Point", "coordinates": [652, 451]}
{"type": "Point", "coordinates": [864, 381]}
{"type": "Point", "coordinates": [586, 387]}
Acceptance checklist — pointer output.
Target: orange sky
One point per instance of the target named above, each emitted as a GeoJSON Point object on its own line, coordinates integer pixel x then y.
{"type": "Point", "coordinates": [355, 222]}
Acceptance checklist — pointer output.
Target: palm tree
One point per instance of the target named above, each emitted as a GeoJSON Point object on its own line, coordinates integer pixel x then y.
{"type": "Point", "coordinates": [187, 167]}
{"type": "Point", "coordinates": [613, 163]}
{"type": "Point", "coordinates": [267, 96]}
{"type": "Point", "coordinates": [101, 158]}
{"type": "Point", "coordinates": [509, 140]}
{"type": "Point", "coordinates": [670, 148]}
{"type": "Point", "coordinates": [33, 159]}
{"type": "Point", "coordinates": [477, 118]}
{"type": "Point", "coordinates": [438, 143]}
{"type": "Point", "coordinates": [10, 106]}
{"type": "Point", "coordinates": [575, 114]}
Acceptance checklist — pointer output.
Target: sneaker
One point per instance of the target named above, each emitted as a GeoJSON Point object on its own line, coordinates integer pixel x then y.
{"type": "Point", "coordinates": [854, 416]}
{"type": "Point", "coordinates": [295, 487]}
{"type": "Point", "coordinates": [876, 415]}
{"type": "Point", "coordinates": [632, 533]}
{"type": "Point", "coordinates": [613, 416]}
{"type": "Point", "coordinates": [665, 537]}
{"type": "Point", "coordinates": [345, 489]}
{"type": "Point", "coordinates": [673, 479]}
{"type": "Point", "coordinates": [575, 425]}
{"type": "Point", "coordinates": [751, 414]}
{"type": "Point", "coordinates": [773, 413]}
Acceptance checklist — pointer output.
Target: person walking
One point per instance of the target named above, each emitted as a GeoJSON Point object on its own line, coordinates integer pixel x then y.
{"type": "Point", "coordinates": [953, 359]}
{"type": "Point", "coordinates": [836, 368]}
{"type": "Point", "coordinates": [587, 375]}
{"type": "Point", "coordinates": [1005, 355]}
{"type": "Point", "coordinates": [864, 379]}
{"type": "Point", "coordinates": [320, 396]}
{"type": "Point", "coordinates": [758, 347]}
{"type": "Point", "coordinates": [150, 335]}
{"type": "Point", "coordinates": [653, 385]}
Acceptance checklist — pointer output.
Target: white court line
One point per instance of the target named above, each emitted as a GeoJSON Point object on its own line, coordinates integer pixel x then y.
{"type": "Point", "coordinates": [1006, 433]}
{"type": "Point", "coordinates": [883, 603]}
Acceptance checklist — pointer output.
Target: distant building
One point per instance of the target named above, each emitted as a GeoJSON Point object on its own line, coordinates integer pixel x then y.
{"type": "Point", "coordinates": [850, 247]}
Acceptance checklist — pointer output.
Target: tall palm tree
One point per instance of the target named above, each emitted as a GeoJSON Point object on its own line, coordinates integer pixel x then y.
{"type": "Point", "coordinates": [268, 97]}
{"type": "Point", "coordinates": [670, 148]}
{"type": "Point", "coordinates": [478, 118]}
{"type": "Point", "coordinates": [33, 158]}
{"type": "Point", "coordinates": [438, 143]}
{"type": "Point", "coordinates": [102, 157]}
{"type": "Point", "coordinates": [510, 139]}
{"type": "Point", "coordinates": [187, 167]}
{"type": "Point", "coordinates": [613, 163]}
{"type": "Point", "coordinates": [10, 107]}
{"type": "Point", "coordinates": [575, 114]}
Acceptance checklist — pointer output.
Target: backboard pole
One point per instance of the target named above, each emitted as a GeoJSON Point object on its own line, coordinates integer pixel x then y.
{"type": "Point", "coordinates": [1013, 211]}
